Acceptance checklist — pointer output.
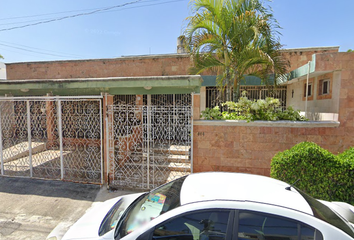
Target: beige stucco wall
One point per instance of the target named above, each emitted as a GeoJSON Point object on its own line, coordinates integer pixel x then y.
{"type": "Point", "coordinates": [318, 107]}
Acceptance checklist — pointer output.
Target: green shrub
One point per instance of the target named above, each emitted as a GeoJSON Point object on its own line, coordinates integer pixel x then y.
{"type": "Point", "coordinates": [320, 173]}
{"type": "Point", "coordinates": [291, 115]}
{"type": "Point", "coordinates": [264, 109]}
{"type": "Point", "coordinates": [212, 113]}
{"type": "Point", "coordinates": [347, 181]}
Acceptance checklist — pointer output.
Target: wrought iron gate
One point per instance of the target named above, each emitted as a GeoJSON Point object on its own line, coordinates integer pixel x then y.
{"type": "Point", "coordinates": [52, 138]}
{"type": "Point", "coordinates": [151, 142]}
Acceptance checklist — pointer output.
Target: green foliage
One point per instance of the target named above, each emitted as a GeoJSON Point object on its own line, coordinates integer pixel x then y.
{"type": "Point", "coordinates": [212, 113]}
{"type": "Point", "coordinates": [321, 173]}
{"type": "Point", "coordinates": [291, 115]}
{"type": "Point", "coordinates": [245, 109]}
{"type": "Point", "coordinates": [347, 175]}
{"type": "Point", "coordinates": [233, 38]}
{"type": "Point", "coordinates": [1, 57]}
{"type": "Point", "coordinates": [350, 50]}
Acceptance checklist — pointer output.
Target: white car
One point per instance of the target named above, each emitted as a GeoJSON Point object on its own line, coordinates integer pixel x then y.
{"type": "Point", "coordinates": [100, 221]}
{"type": "Point", "coordinates": [225, 206]}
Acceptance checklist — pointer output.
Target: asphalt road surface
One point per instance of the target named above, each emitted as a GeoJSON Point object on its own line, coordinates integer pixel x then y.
{"type": "Point", "coordinates": [31, 208]}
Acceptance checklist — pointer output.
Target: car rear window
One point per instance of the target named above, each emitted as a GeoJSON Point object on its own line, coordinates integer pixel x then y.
{"type": "Point", "coordinates": [326, 214]}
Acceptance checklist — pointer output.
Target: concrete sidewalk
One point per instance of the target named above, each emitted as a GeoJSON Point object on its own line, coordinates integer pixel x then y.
{"type": "Point", "coordinates": [30, 208]}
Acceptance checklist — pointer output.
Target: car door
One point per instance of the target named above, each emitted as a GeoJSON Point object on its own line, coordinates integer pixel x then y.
{"type": "Point", "coordinates": [264, 226]}
{"type": "Point", "coordinates": [224, 224]}
{"type": "Point", "coordinates": [208, 224]}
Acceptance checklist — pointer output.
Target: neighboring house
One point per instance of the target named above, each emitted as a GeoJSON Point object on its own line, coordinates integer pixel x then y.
{"type": "Point", "coordinates": [315, 87]}
{"type": "Point", "coordinates": [134, 121]}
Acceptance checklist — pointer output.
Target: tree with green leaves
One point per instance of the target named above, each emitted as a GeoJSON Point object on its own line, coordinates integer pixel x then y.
{"type": "Point", "coordinates": [233, 38]}
{"type": "Point", "coordinates": [1, 57]}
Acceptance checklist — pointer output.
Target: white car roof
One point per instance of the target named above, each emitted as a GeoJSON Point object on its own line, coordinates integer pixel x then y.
{"type": "Point", "coordinates": [241, 187]}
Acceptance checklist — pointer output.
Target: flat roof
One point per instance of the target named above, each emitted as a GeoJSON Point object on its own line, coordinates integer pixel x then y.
{"type": "Point", "coordinates": [183, 55]}
{"type": "Point", "coordinates": [95, 86]}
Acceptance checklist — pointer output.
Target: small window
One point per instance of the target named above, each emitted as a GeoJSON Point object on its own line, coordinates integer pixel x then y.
{"type": "Point", "coordinates": [309, 93]}
{"type": "Point", "coordinates": [195, 226]}
{"type": "Point", "coordinates": [324, 86]}
{"type": "Point", "coordinates": [259, 226]}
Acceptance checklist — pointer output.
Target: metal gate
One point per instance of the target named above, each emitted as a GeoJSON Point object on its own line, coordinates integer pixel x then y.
{"type": "Point", "coordinates": [52, 138]}
{"type": "Point", "coordinates": [215, 97]}
{"type": "Point", "coordinates": [151, 142]}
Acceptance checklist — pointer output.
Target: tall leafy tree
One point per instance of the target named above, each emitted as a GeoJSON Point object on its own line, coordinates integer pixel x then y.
{"type": "Point", "coordinates": [1, 56]}
{"type": "Point", "coordinates": [234, 38]}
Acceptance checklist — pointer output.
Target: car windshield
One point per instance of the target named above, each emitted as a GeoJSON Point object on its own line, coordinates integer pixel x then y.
{"type": "Point", "coordinates": [152, 205]}
{"type": "Point", "coordinates": [326, 214]}
{"type": "Point", "coordinates": [110, 220]}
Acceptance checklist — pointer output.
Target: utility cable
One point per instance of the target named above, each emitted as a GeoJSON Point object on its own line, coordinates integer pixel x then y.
{"type": "Point", "coordinates": [56, 13]}
{"type": "Point", "coordinates": [16, 45]}
{"type": "Point", "coordinates": [28, 50]}
{"type": "Point", "coordinates": [46, 14]}
{"type": "Point", "coordinates": [51, 19]}
{"type": "Point", "coordinates": [71, 16]}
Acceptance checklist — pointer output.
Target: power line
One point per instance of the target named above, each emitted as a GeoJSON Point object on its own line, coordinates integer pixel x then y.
{"type": "Point", "coordinates": [106, 11]}
{"type": "Point", "coordinates": [71, 16]}
{"type": "Point", "coordinates": [41, 49]}
{"type": "Point", "coordinates": [46, 14]}
{"type": "Point", "coordinates": [38, 52]}
{"type": "Point", "coordinates": [146, 5]}
{"type": "Point", "coordinates": [55, 13]}
{"type": "Point", "coordinates": [27, 54]}
{"type": "Point", "coordinates": [65, 55]}
{"type": "Point", "coordinates": [28, 21]}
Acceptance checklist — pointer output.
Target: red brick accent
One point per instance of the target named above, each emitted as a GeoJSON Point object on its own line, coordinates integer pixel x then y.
{"type": "Point", "coordinates": [160, 65]}
{"type": "Point", "coordinates": [118, 67]}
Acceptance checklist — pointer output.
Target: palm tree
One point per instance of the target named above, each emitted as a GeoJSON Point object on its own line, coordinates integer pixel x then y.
{"type": "Point", "coordinates": [233, 38]}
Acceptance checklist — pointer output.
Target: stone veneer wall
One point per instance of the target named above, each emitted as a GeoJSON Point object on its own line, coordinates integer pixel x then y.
{"type": "Point", "coordinates": [245, 147]}
{"type": "Point", "coordinates": [249, 147]}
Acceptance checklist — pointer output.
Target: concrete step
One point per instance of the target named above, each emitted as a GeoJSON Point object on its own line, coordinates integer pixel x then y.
{"type": "Point", "coordinates": [22, 164]}
{"type": "Point", "coordinates": [172, 149]}
{"type": "Point", "coordinates": [165, 166]}
{"type": "Point", "coordinates": [21, 150]}
{"type": "Point", "coordinates": [176, 174]}
{"type": "Point", "coordinates": [161, 157]}
{"type": "Point", "coordinates": [164, 148]}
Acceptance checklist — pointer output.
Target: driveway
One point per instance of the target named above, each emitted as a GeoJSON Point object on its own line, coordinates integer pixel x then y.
{"type": "Point", "coordinates": [32, 208]}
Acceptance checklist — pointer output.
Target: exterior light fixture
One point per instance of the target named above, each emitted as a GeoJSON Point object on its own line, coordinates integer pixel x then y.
{"type": "Point", "coordinates": [147, 87]}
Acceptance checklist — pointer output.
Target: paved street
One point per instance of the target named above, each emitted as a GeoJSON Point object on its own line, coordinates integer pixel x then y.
{"type": "Point", "coordinates": [31, 208]}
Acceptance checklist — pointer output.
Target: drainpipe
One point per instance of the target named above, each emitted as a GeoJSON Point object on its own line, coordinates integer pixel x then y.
{"type": "Point", "coordinates": [192, 109]}
{"type": "Point", "coordinates": [1, 151]}
{"type": "Point", "coordinates": [107, 141]}
{"type": "Point", "coordinates": [307, 87]}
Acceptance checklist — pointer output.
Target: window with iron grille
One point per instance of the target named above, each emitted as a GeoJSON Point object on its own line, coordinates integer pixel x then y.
{"type": "Point", "coordinates": [324, 87]}
{"type": "Point", "coordinates": [309, 91]}
{"type": "Point", "coordinates": [124, 99]}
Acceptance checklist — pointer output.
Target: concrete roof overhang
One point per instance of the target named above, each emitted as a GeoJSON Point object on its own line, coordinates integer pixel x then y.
{"type": "Point", "coordinates": [95, 86]}
{"type": "Point", "coordinates": [311, 68]}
